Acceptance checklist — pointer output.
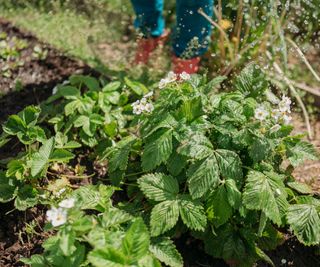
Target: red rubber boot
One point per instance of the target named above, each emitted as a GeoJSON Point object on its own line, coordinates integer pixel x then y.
{"type": "Point", "coordinates": [147, 45]}
{"type": "Point", "coordinates": [189, 66]}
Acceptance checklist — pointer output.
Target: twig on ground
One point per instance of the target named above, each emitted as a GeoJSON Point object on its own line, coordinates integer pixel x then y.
{"type": "Point", "coordinates": [302, 86]}
{"type": "Point", "coordinates": [72, 176]}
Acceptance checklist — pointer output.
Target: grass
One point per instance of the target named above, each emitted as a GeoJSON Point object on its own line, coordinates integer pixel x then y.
{"type": "Point", "coordinates": [65, 29]}
{"type": "Point", "coordinates": [68, 29]}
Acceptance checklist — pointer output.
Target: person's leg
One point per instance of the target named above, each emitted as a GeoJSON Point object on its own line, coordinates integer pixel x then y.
{"type": "Point", "coordinates": [193, 30]}
{"type": "Point", "coordinates": [149, 18]}
{"type": "Point", "coordinates": [150, 23]}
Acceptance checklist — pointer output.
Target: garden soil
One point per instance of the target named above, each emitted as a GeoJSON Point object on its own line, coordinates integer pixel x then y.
{"type": "Point", "coordinates": [33, 81]}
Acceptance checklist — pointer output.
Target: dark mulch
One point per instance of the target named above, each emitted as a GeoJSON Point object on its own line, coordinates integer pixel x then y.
{"type": "Point", "coordinates": [21, 234]}
{"type": "Point", "coordinates": [37, 77]}
{"type": "Point", "coordinates": [294, 254]}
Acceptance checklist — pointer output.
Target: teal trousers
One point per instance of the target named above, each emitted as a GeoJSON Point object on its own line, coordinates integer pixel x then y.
{"type": "Point", "coordinates": [191, 35]}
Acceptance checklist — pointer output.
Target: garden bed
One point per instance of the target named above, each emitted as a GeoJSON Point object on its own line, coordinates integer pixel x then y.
{"type": "Point", "coordinates": [32, 79]}
{"type": "Point", "coordinates": [21, 233]}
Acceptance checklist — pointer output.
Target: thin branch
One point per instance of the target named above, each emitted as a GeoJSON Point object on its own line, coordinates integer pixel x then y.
{"type": "Point", "coordinates": [72, 176]}
{"type": "Point", "coordinates": [304, 59]}
{"type": "Point", "coordinates": [238, 26]}
{"type": "Point", "coordinates": [295, 93]}
{"type": "Point", "coordinates": [234, 62]}
{"type": "Point", "coordinates": [302, 86]}
{"type": "Point", "coordinates": [201, 12]}
{"type": "Point", "coordinates": [221, 38]}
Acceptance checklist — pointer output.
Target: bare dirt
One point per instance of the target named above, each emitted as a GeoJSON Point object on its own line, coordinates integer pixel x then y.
{"type": "Point", "coordinates": [36, 76]}
{"type": "Point", "coordinates": [309, 172]}
{"type": "Point", "coordinates": [21, 234]}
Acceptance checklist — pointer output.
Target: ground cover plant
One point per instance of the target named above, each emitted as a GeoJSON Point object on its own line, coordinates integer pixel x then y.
{"type": "Point", "coordinates": [189, 162]}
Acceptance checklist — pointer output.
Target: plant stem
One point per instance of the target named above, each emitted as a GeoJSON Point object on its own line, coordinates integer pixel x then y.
{"type": "Point", "coordinates": [221, 41]}
{"type": "Point", "coordinates": [201, 12]}
{"type": "Point", "coordinates": [238, 27]}
{"type": "Point", "coordinates": [302, 86]}
{"type": "Point", "coordinates": [72, 176]}
{"type": "Point", "coordinates": [133, 174]}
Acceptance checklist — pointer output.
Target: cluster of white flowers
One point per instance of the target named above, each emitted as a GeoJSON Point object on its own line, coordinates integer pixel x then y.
{"type": "Point", "coordinates": [143, 105]}
{"type": "Point", "coordinates": [185, 76]}
{"type": "Point", "coordinates": [261, 113]}
{"type": "Point", "coordinates": [280, 114]}
{"type": "Point", "coordinates": [172, 77]}
{"type": "Point", "coordinates": [58, 216]}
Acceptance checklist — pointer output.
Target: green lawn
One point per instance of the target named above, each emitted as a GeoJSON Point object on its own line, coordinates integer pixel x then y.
{"type": "Point", "coordinates": [68, 29]}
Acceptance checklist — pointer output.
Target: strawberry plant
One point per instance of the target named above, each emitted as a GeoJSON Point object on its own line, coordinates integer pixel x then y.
{"type": "Point", "coordinates": [19, 181]}
{"type": "Point", "coordinates": [112, 237]}
{"type": "Point", "coordinates": [10, 53]}
{"type": "Point", "coordinates": [86, 112]}
{"type": "Point", "coordinates": [82, 114]}
{"type": "Point", "coordinates": [220, 163]}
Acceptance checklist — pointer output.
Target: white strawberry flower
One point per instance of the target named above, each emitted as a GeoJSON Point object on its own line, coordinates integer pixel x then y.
{"type": "Point", "coordinates": [185, 76]}
{"type": "Point", "coordinates": [149, 107]}
{"type": "Point", "coordinates": [141, 106]}
{"type": "Point", "coordinates": [135, 103]}
{"type": "Point", "coordinates": [171, 77]}
{"type": "Point", "coordinates": [137, 107]}
{"type": "Point", "coordinates": [284, 104]}
{"type": "Point", "coordinates": [261, 113]}
{"type": "Point", "coordinates": [163, 83]}
{"type": "Point", "coordinates": [67, 203]}
{"type": "Point", "coordinates": [286, 119]}
{"type": "Point", "coordinates": [143, 101]}
{"type": "Point", "coordinates": [137, 110]}
{"type": "Point", "coordinates": [275, 128]}
{"type": "Point", "coordinates": [57, 216]}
